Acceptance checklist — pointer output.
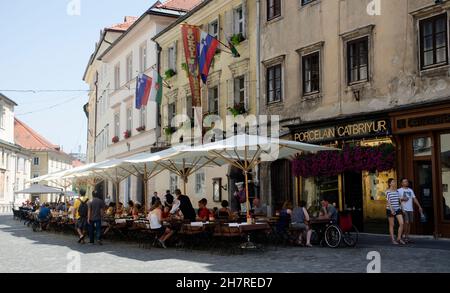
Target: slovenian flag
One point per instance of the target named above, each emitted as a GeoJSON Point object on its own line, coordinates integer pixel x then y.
{"type": "Point", "coordinates": [143, 88]}
{"type": "Point", "coordinates": [156, 88]}
{"type": "Point", "coordinates": [207, 50]}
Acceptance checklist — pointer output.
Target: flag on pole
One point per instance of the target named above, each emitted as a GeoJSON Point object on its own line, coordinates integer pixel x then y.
{"type": "Point", "coordinates": [208, 46]}
{"type": "Point", "coordinates": [156, 88]}
{"type": "Point", "coordinates": [143, 87]}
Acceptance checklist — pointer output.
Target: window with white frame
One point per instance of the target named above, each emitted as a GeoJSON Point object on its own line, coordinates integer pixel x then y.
{"type": "Point", "coordinates": [239, 21]}
{"type": "Point", "coordinates": [117, 124]}
{"type": "Point", "coordinates": [239, 90]}
{"type": "Point", "coordinates": [129, 67]}
{"type": "Point", "coordinates": [129, 118]}
{"type": "Point", "coordinates": [2, 116]}
{"type": "Point", "coordinates": [213, 28]}
{"type": "Point", "coordinates": [36, 161]}
{"type": "Point", "coordinates": [274, 83]}
{"type": "Point", "coordinates": [143, 57]}
{"type": "Point", "coordinates": [213, 100]}
{"type": "Point", "coordinates": [171, 114]}
{"type": "Point", "coordinates": [172, 57]}
{"type": "Point", "coordinates": [117, 76]}
{"type": "Point", "coordinates": [173, 184]}
{"type": "Point", "coordinates": [200, 183]}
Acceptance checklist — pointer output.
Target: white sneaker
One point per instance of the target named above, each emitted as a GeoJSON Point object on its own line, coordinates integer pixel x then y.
{"type": "Point", "coordinates": [162, 243]}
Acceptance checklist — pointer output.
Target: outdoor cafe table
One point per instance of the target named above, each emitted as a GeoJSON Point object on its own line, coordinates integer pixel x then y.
{"type": "Point", "coordinates": [247, 230]}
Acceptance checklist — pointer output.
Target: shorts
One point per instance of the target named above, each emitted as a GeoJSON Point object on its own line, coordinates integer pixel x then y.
{"type": "Point", "coordinates": [81, 223]}
{"type": "Point", "coordinates": [159, 232]}
{"type": "Point", "coordinates": [299, 226]}
{"type": "Point", "coordinates": [409, 217]}
{"type": "Point", "coordinates": [390, 215]}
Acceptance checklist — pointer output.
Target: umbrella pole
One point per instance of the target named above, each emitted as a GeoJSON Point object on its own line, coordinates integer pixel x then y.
{"type": "Point", "coordinates": [117, 192]}
{"type": "Point", "coordinates": [247, 201]}
{"type": "Point", "coordinates": [145, 188]}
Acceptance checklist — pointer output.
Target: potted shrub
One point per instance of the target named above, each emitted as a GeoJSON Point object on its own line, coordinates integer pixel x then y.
{"type": "Point", "coordinates": [127, 134]}
{"type": "Point", "coordinates": [115, 139]}
{"type": "Point", "coordinates": [236, 39]}
{"type": "Point", "coordinates": [170, 73]}
{"type": "Point", "coordinates": [237, 109]}
{"type": "Point", "coordinates": [140, 129]}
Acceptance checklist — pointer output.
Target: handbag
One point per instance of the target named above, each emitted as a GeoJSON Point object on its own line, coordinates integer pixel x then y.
{"type": "Point", "coordinates": [423, 218]}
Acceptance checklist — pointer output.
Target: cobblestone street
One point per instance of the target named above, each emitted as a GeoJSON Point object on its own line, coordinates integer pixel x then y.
{"type": "Point", "coordinates": [22, 250]}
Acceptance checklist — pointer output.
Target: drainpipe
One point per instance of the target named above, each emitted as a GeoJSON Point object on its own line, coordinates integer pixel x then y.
{"type": "Point", "coordinates": [95, 117]}
{"type": "Point", "coordinates": [158, 107]}
{"type": "Point", "coordinates": [258, 55]}
{"type": "Point", "coordinates": [258, 78]}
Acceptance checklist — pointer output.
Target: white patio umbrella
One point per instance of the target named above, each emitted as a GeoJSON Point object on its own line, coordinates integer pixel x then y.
{"type": "Point", "coordinates": [245, 152]}
{"type": "Point", "coordinates": [40, 189]}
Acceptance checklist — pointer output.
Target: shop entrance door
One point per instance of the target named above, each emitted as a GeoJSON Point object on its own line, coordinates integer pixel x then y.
{"type": "Point", "coordinates": [353, 197]}
{"type": "Point", "coordinates": [423, 188]}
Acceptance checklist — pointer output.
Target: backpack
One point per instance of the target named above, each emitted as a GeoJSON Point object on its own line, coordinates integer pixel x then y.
{"type": "Point", "coordinates": [83, 209]}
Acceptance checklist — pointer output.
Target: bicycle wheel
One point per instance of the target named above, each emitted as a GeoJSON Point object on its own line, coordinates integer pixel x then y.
{"type": "Point", "coordinates": [333, 236]}
{"type": "Point", "coordinates": [350, 238]}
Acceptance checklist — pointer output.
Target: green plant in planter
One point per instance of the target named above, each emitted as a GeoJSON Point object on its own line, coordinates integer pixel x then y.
{"type": "Point", "coordinates": [236, 39]}
{"type": "Point", "coordinates": [238, 109]}
{"type": "Point", "coordinates": [185, 67]}
{"type": "Point", "coordinates": [170, 73]}
{"type": "Point", "coordinates": [169, 130]}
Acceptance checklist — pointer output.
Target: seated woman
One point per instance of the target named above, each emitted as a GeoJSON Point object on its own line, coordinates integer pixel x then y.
{"type": "Point", "coordinates": [166, 213]}
{"type": "Point", "coordinates": [203, 211]}
{"type": "Point", "coordinates": [285, 218]}
{"type": "Point", "coordinates": [120, 210]}
{"type": "Point", "coordinates": [135, 211]}
{"type": "Point", "coordinates": [111, 209]}
{"type": "Point", "coordinates": [300, 220]}
{"type": "Point", "coordinates": [224, 212]}
{"type": "Point", "coordinates": [129, 210]}
{"type": "Point", "coordinates": [155, 219]}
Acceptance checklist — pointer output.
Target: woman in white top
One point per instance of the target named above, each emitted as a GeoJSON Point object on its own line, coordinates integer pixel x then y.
{"type": "Point", "coordinates": [394, 210]}
{"type": "Point", "coordinates": [155, 219]}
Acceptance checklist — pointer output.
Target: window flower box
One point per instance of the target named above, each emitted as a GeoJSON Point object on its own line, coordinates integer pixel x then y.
{"type": "Point", "coordinates": [127, 134]}
{"type": "Point", "coordinates": [238, 109]}
{"type": "Point", "coordinates": [141, 129]}
{"type": "Point", "coordinates": [115, 139]}
{"type": "Point", "coordinates": [236, 39]}
{"type": "Point", "coordinates": [170, 73]}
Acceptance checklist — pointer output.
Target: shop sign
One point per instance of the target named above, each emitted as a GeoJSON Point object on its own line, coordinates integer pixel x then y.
{"type": "Point", "coordinates": [345, 131]}
{"type": "Point", "coordinates": [423, 121]}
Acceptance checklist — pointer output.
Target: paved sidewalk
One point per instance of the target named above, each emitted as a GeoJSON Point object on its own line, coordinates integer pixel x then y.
{"type": "Point", "coordinates": [22, 250]}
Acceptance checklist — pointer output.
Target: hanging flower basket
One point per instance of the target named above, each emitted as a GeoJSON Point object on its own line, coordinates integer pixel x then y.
{"type": "Point", "coordinates": [351, 159]}
{"type": "Point", "coordinates": [127, 134]}
{"type": "Point", "coordinates": [115, 139]}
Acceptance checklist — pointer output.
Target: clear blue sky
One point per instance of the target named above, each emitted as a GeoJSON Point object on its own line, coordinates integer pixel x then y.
{"type": "Point", "coordinates": [44, 48]}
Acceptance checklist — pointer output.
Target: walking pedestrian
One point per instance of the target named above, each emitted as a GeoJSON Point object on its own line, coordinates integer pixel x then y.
{"type": "Point", "coordinates": [394, 211]}
{"type": "Point", "coordinates": [408, 199]}
{"type": "Point", "coordinates": [95, 214]}
{"type": "Point", "coordinates": [80, 214]}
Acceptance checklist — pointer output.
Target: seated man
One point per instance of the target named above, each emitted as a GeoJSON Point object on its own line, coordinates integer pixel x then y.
{"type": "Point", "coordinates": [329, 211]}
{"type": "Point", "coordinates": [203, 211]}
{"type": "Point", "coordinates": [44, 215]}
{"type": "Point", "coordinates": [259, 209]}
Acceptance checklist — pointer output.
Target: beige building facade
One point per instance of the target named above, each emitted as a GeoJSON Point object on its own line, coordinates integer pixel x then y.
{"type": "Point", "coordinates": [232, 83]}
{"type": "Point", "coordinates": [339, 69]}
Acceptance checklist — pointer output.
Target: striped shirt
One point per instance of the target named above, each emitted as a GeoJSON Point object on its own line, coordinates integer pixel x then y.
{"type": "Point", "coordinates": [393, 199]}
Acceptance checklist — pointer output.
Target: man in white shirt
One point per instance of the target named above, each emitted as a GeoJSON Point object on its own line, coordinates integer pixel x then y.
{"type": "Point", "coordinates": [407, 197]}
